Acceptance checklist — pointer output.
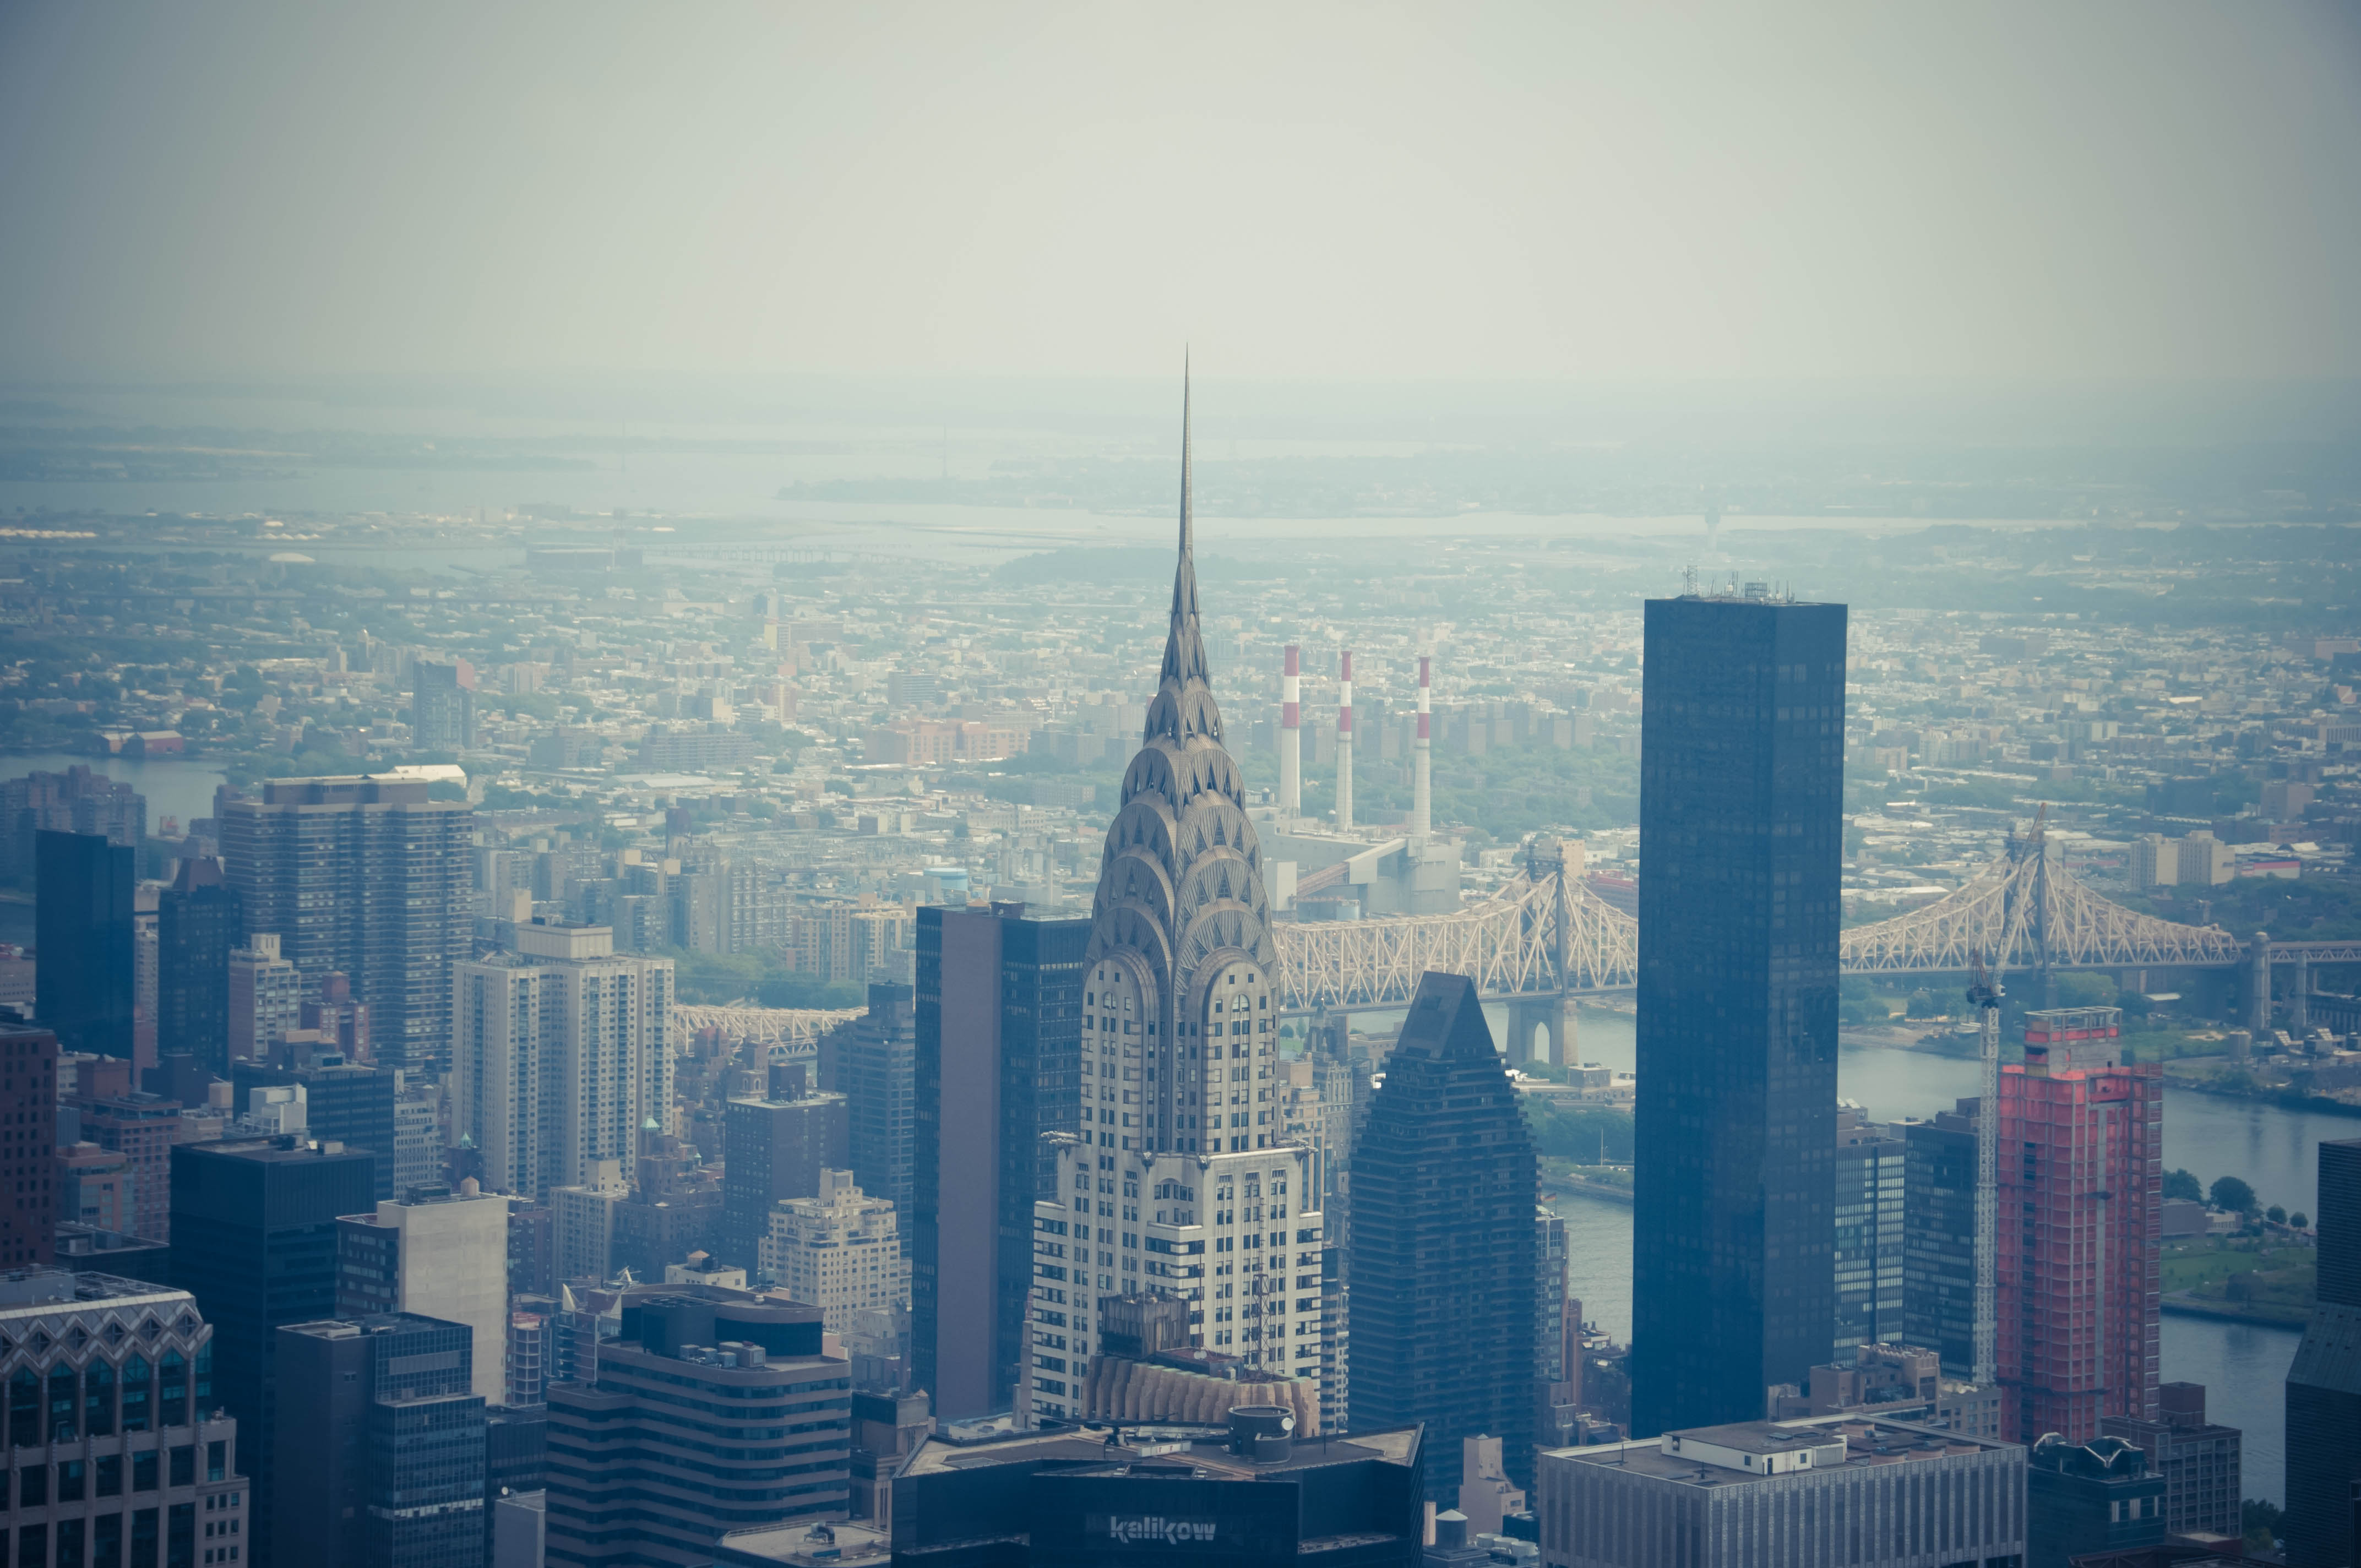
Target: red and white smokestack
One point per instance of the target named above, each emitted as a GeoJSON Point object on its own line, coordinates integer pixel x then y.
{"type": "Point", "coordinates": [1290, 733]}
{"type": "Point", "coordinates": [1421, 802]}
{"type": "Point", "coordinates": [1344, 743]}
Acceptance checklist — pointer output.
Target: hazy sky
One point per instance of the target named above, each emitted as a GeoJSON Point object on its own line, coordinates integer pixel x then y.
{"type": "Point", "coordinates": [1503, 190]}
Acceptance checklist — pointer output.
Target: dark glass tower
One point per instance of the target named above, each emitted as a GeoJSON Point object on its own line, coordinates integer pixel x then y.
{"type": "Point", "coordinates": [254, 1240]}
{"type": "Point", "coordinates": [879, 1074]}
{"type": "Point", "coordinates": [198, 921]}
{"type": "Point", "coordinates": [1443, 1258]}
{"type": "Point", "coordinates": [82, 936]}
{"type": "Point", "coordinates": [2323, 1386]}
{"type": "Point", "coordinates": [1741, 830]}
{"type": "Point", "coordinates": [999, 1064]}
{"type": "Point", "coordinates": [1938, 1237]}
{"type": "Point", "coordinates": [381, 1446]}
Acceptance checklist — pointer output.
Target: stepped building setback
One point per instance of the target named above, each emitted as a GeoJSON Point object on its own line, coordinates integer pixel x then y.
{"type": "Point", "coordinates": [1178, 1182]}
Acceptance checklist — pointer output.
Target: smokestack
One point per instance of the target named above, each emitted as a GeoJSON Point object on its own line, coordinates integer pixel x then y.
{"type": "Point", "coordinates": [1290, 733]}
{"type": "Point", "coordinates": [1344, 743]}
{"type": "Point", "coordinates": [1421, 802]}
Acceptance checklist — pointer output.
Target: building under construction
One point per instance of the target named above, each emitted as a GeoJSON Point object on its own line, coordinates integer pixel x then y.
{"type": "Point", "coordinates": [2080, 1198]}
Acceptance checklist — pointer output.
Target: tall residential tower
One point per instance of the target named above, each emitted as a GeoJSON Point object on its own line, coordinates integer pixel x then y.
{"type": "Point", "coordinates": [368, 877]}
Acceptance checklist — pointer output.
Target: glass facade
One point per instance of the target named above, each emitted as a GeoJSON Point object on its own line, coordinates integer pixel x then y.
{"type": "Point", "coordinates": [879, 1080]}
{"type": "Point", "coordinates": [1741, 795]}
{"type": "Point", "coordinates": [999, 1005]}
{"type": "Point", "coordinates": [102, 1424]}
{"type": "Point", "coordinates": [1939, 1239]}
{"type": "Point", "coordinates": [1868, 1242]}
{"type": "Point", "coordinates": [1444, 1250]}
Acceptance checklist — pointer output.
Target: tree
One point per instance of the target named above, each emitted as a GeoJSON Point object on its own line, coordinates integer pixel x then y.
{"type": "Point", "coordinates": [2299, 1220]}
{"type": "Point", "coordinates": [2232, 1195]}
{"type": "Point", "coordinates": [2275, 1215]}
{"type": "Point", "coordinates": [2181, 1185]}
{"type": "Point", "coordinates": [2261, 1522]}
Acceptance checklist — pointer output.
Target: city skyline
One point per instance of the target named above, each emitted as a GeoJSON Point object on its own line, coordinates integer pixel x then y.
{"type": "Point", "coordinates": [1683, 884]}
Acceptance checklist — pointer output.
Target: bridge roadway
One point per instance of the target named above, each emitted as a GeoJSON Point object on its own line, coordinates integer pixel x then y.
{"type": "Point", "coordinates": [1548, 936]}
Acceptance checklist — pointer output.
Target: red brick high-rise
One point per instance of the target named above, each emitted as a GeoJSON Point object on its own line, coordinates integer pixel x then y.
{"type": "Point", "coordinates": [28, 1146]}
{"type": "Point", "coordinates": [2082, 1140]}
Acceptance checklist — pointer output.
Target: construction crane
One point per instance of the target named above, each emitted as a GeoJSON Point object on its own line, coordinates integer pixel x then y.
{"type": "Point", "coordinates": [1984, 993]}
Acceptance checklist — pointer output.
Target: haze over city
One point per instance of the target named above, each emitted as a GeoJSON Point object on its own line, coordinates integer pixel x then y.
{"type": "Point", "coordinates": [1003, 785]}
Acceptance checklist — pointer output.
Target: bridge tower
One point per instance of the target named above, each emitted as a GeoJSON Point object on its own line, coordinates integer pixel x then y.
{"type": "Point", "coordinates": [2031, 846]}
{"type": "Point", "coordinates": [2259, 986]}
{"type": "Point", "coordinates": [1556, 864]}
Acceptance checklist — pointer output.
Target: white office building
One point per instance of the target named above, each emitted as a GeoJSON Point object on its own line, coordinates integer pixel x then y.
{"type": "Point", "coordinates": [839, 1251]}
{"type": "Point", "coordinates": [447, 1257]}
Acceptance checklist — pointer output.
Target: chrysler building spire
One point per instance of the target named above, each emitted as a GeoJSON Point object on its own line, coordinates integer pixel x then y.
{"type": "Point", "coordinates": [1180, 911]}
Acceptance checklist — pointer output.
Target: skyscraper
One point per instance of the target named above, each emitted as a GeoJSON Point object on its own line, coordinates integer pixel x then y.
{"type": "Point", "coordinates": [81, 933]}
{"type": "Point", "coordinates": [1938, 1237]}
{"type": "Point", "coordinates": [877, 1073]}
{"type": "Point", "coordinates": [443, 704]}
{"type": "Point", "coordinates": [837, 1250]}
{"type": "Point", "coordinates": [380, 1444]}
{"type": "Point", "coordinates": [999, 1015]}
{"type": "Point", "coordinates": [1185, 1207]}
{"type": "Point", "coordinates": [2081, 1204]}
{"type": "Point", "coordinates": [120, 1449]}
{"type": "Point", "coordinates": [197, 927]}
{"type": "Point", "coordinates": [673, 1438]}
{"type": "Point", "coordinates": [1443, 1261]}
{"type": "Point", "coordinates": [775, 1146]}
{"type": "Point", "coordinates": [1869, 1240]}
{"type": "Point", "coordinates": [2324, 1386]}
{"type": "Point", "coordinates": [560, 1055]}
{"type": "Point", "coordinates": [1741, 832]}
{"type": "Point", "coordinates": [266, 996]}
{"type": "Point", "coordinates": [76, 801]}
{"type": "Point", "coordinates": [370, 877]}
{"type": "Point", "coordinates": [344, 1100]}
{"type": "Point", "coordinates": [444, 1256]}
{"type": "Point", "coordinates": [29, 1157]}
{"type": "Point", "coordinates": [254, 1227]}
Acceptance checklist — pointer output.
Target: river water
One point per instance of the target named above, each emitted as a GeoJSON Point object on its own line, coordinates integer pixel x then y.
{"type": "Point", "coordinates": [2242, 1365]}
{"type": "Point", "coordinates": [175, 786]}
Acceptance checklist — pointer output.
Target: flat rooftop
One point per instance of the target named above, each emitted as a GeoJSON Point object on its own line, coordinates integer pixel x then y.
{"type": "Point", "coordinates": [1090, 1452]}
{"type": "Point", "coordinates": [1868, 1442]}
{"type": "Point", "coordinates": [37, 1292]}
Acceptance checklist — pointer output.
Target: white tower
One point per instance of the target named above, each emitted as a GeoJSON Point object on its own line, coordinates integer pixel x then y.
{"type": "Point", "coordinates": [1290, 734]}
{"type": "Point", "coordinates": [1421, 802]}
{"type": "Point", "coordinates": [1344, 743]}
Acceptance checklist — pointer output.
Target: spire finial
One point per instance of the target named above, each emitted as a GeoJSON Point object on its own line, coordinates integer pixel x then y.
{"type": "Point", "coordinates": [1184, 650]}
{"type": "Point", "coordinates": [1187, 525]}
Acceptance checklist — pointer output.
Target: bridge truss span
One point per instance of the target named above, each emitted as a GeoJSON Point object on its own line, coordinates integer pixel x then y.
{"type": "Point", "coordinates": [777, 1025]}
{"type": "Point", "coordinates": [1543, 932]}
{"type": "Point", "coordinates": [1547, 933]}
{"type": "Point", "coordinates": [2023, 912]}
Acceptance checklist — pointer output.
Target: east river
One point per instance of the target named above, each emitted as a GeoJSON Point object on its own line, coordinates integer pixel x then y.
{"type": "Point", "coordinates": [2242, 1365]}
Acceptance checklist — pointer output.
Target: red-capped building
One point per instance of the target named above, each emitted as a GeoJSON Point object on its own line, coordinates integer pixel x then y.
{"type": "Point", "coordinates": [2080, 1199]}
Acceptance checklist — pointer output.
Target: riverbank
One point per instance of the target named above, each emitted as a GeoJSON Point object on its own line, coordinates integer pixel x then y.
{"type": "Point", "coordinates": [2284, 1097]}
{"type": "Point", "coordinates": [1588, 1189]}
{"type": "Point", "coordinates": [2264, 1314]}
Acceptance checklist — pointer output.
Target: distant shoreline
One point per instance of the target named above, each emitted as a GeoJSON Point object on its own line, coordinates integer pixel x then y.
{"type": "Point", "coordinates": [2222, 1312]}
